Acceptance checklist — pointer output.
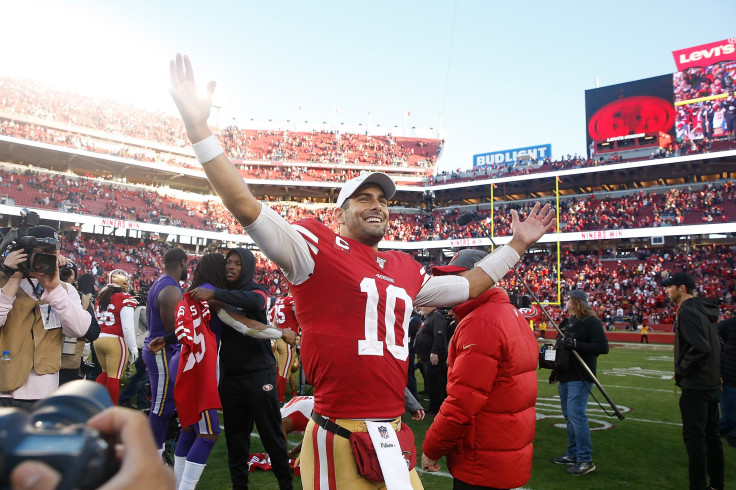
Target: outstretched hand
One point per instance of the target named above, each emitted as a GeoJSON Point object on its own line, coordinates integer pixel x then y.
{"type": "Point", "coordinates": [194, 106]}
{"type": "Point", "coordinates": [527, 232]}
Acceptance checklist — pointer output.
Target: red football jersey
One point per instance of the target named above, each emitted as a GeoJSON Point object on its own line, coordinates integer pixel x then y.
{"type": "Point", "coordinates": [109, 319]}
{"type": "Point", "coordinates": [195, 389]}
{"type": "Point", "coordinates": [282, 314]}
{"type": "Point", "coordinates": [354, 312]}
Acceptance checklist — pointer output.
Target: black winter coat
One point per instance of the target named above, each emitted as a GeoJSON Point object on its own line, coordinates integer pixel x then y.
{"type": "Point", "coordinates": [697, 346]}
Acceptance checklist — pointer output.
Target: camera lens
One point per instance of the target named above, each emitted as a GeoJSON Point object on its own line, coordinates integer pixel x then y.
{"type": "Point", "coordinates": [73, 403]}
{"type": "Point", "coordinates": [43, 263]}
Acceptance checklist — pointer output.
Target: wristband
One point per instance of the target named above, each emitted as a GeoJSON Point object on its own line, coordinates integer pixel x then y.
{"type": "Point", "coordinates": [499, 263]}
{"type": "Point", "coordinates": [208, 149]}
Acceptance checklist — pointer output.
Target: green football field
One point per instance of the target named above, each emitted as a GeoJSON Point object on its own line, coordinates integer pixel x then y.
{"type": "Point", "coordinates": [643, 451]}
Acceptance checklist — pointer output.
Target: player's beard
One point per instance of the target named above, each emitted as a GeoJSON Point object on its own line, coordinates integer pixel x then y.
{"type": "Point", "coordinates": [363, 232]}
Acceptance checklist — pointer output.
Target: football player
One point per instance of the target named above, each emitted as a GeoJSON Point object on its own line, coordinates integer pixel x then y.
{"type": "Point", "coordinates": [116, 344]}
{"type": "Point", "coordinates": [283, 315]}
{"type": "Point", "coordinates": [161, 303]}
{"type": "Point", "coordinates": [352, 300]}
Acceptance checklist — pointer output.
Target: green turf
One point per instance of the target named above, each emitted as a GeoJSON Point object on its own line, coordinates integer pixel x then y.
{"type": "Point", "coordinates": [643, 451]}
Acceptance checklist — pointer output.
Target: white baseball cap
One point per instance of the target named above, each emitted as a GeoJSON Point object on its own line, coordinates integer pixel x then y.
{"type": "Point", "coordinates": [379, 178]}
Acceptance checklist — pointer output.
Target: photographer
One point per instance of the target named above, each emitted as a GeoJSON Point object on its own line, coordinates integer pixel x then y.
{"type": "Point", "coordinates": [72, 352]}
{"type": "Point", "coordinates": [583, 333]}
{"type": "Point", "coordinates": [37, 311]}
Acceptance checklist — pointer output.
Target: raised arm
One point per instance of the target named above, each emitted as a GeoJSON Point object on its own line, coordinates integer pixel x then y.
{"type": "Point", "coordinates": [194, 108]}
{"type": "Point", "coordinates": [526, 233]}
{"type": "Point", "coordinates": [457, 288]}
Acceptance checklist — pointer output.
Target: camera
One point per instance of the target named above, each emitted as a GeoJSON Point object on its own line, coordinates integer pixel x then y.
{"type": "Point", "coordinates": [520, 300]}
{"type": "Point", "coordinates": [55, 432]}
{"type": "Point", "coordinates": [67, 271]}
{"type": "Point", "coordinates": [20, 239]}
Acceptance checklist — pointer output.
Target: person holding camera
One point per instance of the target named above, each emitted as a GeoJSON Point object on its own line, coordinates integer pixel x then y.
{"type": "Point", "coordinates": [73, 350]}
{"type": "Point", "coordinates": [584, 333]}
{"type": "Point", "coordinates": [136, 462]}
{"type": "Point", "coordinates": [114, 310]}
{"type": "Point", "coordinates": [37, 311]}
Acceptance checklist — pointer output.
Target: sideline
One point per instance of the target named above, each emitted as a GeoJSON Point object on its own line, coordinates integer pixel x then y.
{"type": "Point", "coordinates": [541, 381]}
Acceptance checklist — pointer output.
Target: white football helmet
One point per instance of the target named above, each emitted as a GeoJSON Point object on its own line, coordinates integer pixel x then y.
{"type": "Point", "coordinates": [118, 277]}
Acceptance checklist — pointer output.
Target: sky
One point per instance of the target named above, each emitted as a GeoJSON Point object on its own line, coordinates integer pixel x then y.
{"type": "Point", "coordinates": [486, 75]}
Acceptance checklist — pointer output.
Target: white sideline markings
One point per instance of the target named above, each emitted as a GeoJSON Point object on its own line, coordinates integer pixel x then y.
{"type": "Point", "coordinates": [625, 387]}
{"type": "Point", "coordinates": [640, 388]}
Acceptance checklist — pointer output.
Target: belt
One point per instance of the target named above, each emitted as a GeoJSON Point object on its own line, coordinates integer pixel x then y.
{"type": "Point", "coordinates": [330, 426]}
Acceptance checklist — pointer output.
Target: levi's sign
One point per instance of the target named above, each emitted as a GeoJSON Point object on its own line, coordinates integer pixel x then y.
{"type": "Point", "coordinates": [706, 55]}
{"type": "Point", "coordinates": [506, 157]}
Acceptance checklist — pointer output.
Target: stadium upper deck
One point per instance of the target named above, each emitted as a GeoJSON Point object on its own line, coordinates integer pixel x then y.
{"type": "Point", "coordinates": [80, 136]}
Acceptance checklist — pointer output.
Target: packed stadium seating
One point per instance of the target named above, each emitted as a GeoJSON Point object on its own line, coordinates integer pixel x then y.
{"type": "Point", "coordinates": [41, 114]}
{"type": "Point", "coordinates": [36, 113]}
{"type": "Point", "coordinates": [643, 209]}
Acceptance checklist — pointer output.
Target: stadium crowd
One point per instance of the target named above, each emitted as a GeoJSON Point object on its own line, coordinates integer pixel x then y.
{"type": "Point", "coordinates": [66, 119]}
{"type": "Point", "coordinates": [288, 155]}
{"type": "Point", "coordinates": [613, 280]}
{"type": "Point", "coordinates": [710, 203]}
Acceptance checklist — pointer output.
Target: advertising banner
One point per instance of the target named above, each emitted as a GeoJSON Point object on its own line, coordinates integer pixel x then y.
{"type": "Point", "coordinates": [706, 54]}
{"type": "Point", "coordinates": [507, 157]}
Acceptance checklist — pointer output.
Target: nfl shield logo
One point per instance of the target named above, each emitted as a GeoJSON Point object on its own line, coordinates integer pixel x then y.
{"type": "Point", "coordinates": [383, 431]}
{"type": "Point", "coordinates": [381, 262]}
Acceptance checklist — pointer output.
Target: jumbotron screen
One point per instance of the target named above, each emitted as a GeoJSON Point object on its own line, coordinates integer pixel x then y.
{"type": "Point", "coordinates": [704, 89]}
{"type": "Point", "coordinates": [642, 106]}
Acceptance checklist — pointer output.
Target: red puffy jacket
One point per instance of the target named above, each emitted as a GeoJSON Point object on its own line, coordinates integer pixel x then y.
{"type": "Point", "coordinates": [486, 424]}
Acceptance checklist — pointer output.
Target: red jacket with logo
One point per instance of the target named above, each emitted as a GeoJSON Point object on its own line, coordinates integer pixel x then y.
{"type": "Point", "coordinates": [486, 424]}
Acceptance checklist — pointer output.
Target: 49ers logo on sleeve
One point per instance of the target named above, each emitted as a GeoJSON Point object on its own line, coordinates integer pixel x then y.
{"type": "Point", "coordinates": [381, 262]}
{"type": "Point", "coordinates": [267, 387]}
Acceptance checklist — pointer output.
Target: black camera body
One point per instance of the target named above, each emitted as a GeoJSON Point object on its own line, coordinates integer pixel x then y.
{"type": "Point", "coordinates": [54, 432]}
{"type": "Point", "coordinates": [68, 271]}
{"type": "Point", "coordinates": [520, 300]}
{"type": "Point", "coordinates": [17, 239]}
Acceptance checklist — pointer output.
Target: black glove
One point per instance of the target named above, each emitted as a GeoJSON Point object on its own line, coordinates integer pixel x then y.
{"type": "Point", "coordinates": [569, 342]}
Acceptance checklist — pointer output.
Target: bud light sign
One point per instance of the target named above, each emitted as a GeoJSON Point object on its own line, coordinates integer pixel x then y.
{"type": "Point", "coordinates": [507, 157]}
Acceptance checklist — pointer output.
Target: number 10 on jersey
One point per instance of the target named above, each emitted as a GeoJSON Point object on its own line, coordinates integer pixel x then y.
{"type": "Point", "coordinates": [371, 345]}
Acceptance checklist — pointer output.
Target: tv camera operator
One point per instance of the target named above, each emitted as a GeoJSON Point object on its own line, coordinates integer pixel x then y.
{"type": "Point", "coordinates": [37, 310]}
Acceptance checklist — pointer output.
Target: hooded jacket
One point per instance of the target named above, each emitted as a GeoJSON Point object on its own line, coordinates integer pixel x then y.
{"type": "Point", "coordinates": [240, 354]}
{"type": "Point", "coordinates": [697, 346]}
{"type": "Point", "coordinates": [486, 424]}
